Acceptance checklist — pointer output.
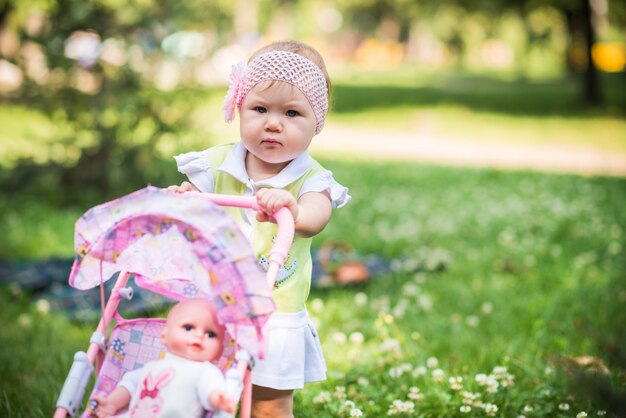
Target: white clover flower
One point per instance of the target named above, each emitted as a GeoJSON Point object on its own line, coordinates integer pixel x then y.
{"type": "Point", "coordinates": [469, 397]}
{"type": "Point", "coordinates": [548, 371]}
{"type": "Point", "coordinates": [395, 407]}
{"type": "Point", "coordinates": [360, 299]}
{"type": "Point", "coordinates": [486, 308]}
{"type": "Point", "coordinates": [400, 309]}
{"type": "Point", "coordinates": [414, 394]}
{"type": "Point", "coordinates": [395, 372]}
{"type": "Point", "coordinates": [472, 321]}
{"type": "Point", "coordinates": [490, 409]}
{"type": "Point", "coordinates": [481, 379]}
{"type": "Point", "coordinates": [356, 338]}
{"type": "Point", "coordinates": [507, 380]}
{"type": "Point", "coordinates": [399, 407]}
{"type": "Point", "coordinates": [425, 302]}
{"type": "Point", "coordinates": [564, 406]}
{"type": "Point", "coordinates": [527, 409]}
{"type": "Point", "coordinates": [347, 404]}
{"type": "Point", "coordinates": [410, 289]}
{"type": "Point", "coordinates": [601, 413]}
{"type": "Point", "coordinates": [322, 397]}
{"type": "Point", "coordinates": [363, 381]}
{"type": "Point", "coordinates": [339, 338]}
{"type": "Point", "coordinates": [317, 305]}
{"type": "Point", "coordinates": [419, 371]}
{"type": "Point", "coordinates": [521, 416]}
{"type": "Point", "coordinates": [24, 320]}
{"type": "Point", "coordinates": [391, 345]}
{"type": "Point", "coordinates": [465, 409]}
{"type": "Point", "coordinates": [438, 375]}
{"type": "Point", "coordinates": [340, 392]}
{"type": "Point", "coordinates": [545, 392]}
{"type": "Point", "coordinates": [43, 306]}
{"type": "Point", "coordinates": [492, 384]}
{"type": "Point", "coordinates": [499, 372]}
{"type": "Point", "coordinates": [355, 412]}
{"type": "Point", "coordinates": [581, 414]}
{"type": "Point", "coordinates": [456, 382]}
{"type": "Point", "coordinates": [432, 362]}
{"type": "Point", "coordinates": [406, 367]}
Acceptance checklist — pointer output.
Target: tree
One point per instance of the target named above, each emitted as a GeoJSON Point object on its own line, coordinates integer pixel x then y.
{"type": "Point", "coordinates": [85, 66]}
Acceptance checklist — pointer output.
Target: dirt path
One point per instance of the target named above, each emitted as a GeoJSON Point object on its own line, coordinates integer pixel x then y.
{"type": "Point", "coordinates": [408, 146]}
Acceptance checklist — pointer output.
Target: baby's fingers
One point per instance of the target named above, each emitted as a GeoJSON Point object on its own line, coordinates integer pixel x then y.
{"type": "Point", "coordinates": [263, 217]}
{"type": "Point", "coordinates": [184, 187]}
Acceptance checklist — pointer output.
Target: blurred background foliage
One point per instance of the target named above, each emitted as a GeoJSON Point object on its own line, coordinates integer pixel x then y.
{"type": "Point", "coordinates": [97, 94]}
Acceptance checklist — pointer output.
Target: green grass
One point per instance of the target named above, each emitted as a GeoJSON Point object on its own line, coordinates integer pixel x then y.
{"type": "Point", "coordinates": [493, 269]}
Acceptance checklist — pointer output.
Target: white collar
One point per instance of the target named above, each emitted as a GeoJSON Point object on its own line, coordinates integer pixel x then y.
{"type": "Point", "coordinates": [235, 165]}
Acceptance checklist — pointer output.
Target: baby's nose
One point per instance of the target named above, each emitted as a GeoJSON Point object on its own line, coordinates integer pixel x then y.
{"type": "Point", "coordinates": [273, 122]}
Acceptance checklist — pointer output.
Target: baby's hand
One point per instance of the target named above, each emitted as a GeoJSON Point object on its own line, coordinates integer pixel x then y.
{"type": "Point", "coordinates": [104, 407]}
{"type": "Point", "coordinates": [270, 200]}
{"type": "Point", "coordinates": [184, 187]}
{"type": "Point", "coordinates": [219, 400]}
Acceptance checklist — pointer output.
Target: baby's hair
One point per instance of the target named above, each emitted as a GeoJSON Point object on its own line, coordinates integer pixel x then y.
{"type": "Point", "coordinates": [300, 48]}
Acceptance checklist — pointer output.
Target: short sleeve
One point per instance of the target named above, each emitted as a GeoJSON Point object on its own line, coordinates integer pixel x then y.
{"type": "Point", "coordinates": [197, 167]}
{"type": "Point", "coordinates": [130, 380]}
{"type": "Point", "coordinates": [211, 378]}
{"type": "Point", "coordinates": [325, 182]}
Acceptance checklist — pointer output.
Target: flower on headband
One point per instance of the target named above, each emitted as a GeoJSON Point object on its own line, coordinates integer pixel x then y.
{"type": "Point", "coordinates": [237, 76]}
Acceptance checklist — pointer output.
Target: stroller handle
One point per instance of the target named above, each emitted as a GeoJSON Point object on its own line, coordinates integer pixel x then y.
{"type": "Point", "coordinates": [284, 221]}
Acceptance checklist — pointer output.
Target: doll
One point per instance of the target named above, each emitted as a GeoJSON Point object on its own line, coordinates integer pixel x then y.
{"type": "Point", "coordinates": [184, 382]}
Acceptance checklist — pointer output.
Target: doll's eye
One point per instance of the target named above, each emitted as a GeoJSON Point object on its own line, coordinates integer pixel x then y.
{"type": "Point", "coordinates": [292, 113]}
{"type": "Point", "coordinates": [260, 109]}
{"type": "Point", "coordinates": [211, 334]}
{"type": "Point", "coordinates": [188, 327]}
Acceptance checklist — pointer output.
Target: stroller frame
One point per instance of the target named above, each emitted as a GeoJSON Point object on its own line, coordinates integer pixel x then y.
{"type": "Point", "coordinates": [237, 378]}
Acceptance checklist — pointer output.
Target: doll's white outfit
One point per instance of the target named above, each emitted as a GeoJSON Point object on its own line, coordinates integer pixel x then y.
{"type": "Point", "coordinates": [294, 356]}
{"type": "Point", "coordinates": [172, 387]}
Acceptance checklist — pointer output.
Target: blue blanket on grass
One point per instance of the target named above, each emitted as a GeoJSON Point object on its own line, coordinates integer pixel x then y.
{"type": "Point", "coordinates": [48, 279]}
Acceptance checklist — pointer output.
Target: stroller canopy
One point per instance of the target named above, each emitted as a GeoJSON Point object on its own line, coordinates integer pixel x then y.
{"type": "Point", "coordinates": [178, 245]}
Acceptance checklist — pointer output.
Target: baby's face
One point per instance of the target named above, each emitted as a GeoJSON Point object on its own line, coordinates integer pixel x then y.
{"type": "Point", "coordinates": [192, 332]}
{"type": "Point", "coordinates": [277, 124]}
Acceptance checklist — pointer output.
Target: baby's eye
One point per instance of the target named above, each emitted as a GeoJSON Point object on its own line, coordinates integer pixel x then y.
{"type": "Point", "coordinates": [188, 327]}
{"type": "Point", "coordinates": [260, 109]}
{"type": "Point", "coordinates": [211, 334]}
{"type": "Point", "coordinates": [292, 113]}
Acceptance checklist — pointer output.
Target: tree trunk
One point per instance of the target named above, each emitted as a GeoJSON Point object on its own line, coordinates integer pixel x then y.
{"type": "Point", "coordinates": [5, 9]}
{"type": "Point", "coordinates": [592, 93]}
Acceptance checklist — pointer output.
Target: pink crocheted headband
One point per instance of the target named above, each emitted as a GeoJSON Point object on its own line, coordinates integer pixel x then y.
{"type": "Point", "coordinates": [280, 66]}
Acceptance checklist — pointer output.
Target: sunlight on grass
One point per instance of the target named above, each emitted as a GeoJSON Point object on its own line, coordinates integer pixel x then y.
{"type": "Point", "coordinates": [605, 133]}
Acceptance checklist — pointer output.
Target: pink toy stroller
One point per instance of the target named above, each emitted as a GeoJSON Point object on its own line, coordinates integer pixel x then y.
{"type": "Point", "coordinates": [180, 246]}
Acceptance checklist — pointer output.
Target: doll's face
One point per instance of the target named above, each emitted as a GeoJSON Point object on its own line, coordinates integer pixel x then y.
{"type": "Point", "coordinates": [277, 124]}
{"type": "Point", "coordinates": [192, 331]}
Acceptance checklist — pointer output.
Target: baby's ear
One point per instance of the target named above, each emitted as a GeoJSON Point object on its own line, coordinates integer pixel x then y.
{"type": "Point", "coordinates": [163, 335]}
